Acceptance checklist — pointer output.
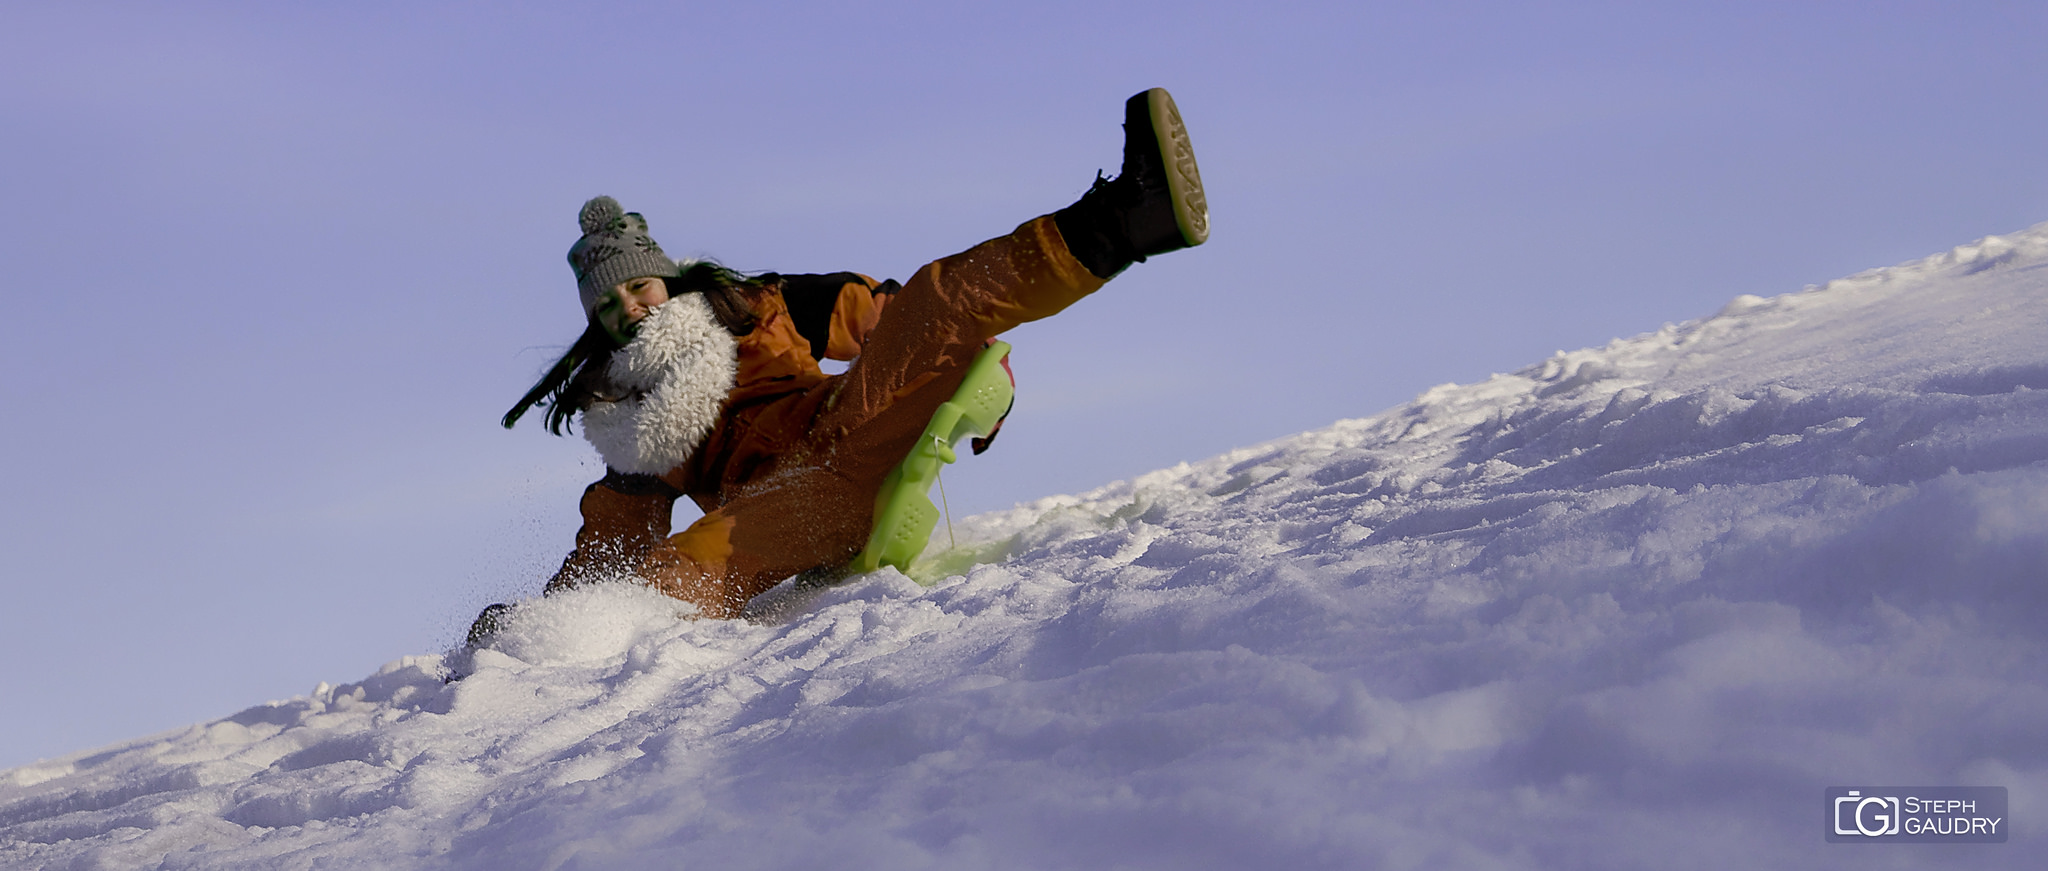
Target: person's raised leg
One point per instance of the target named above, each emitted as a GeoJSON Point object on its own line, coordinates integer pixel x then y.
{"type": "Point", "coordinates": [938, 322]}
{"type": "Point", "coordinates": [919, 351]}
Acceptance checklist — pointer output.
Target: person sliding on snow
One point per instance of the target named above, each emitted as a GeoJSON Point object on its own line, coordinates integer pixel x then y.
{"type": "Point", "coordinates": [698, 381]}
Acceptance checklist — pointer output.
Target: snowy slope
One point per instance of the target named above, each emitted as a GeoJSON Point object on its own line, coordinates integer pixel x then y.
{"type": "Point", "coordinates": [1635, 606]}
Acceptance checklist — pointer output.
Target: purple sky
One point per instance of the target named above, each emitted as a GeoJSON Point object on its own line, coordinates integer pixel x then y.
{"type": "Point", "coordinates": [275, 271]}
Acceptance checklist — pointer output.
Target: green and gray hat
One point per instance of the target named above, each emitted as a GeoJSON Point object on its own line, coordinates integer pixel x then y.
{"type": "Point", "coordinates": [615, 247]}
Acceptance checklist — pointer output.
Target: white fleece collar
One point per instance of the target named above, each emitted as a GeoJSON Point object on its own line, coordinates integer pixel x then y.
{"type": "Point", "coordinates": [675, 373]}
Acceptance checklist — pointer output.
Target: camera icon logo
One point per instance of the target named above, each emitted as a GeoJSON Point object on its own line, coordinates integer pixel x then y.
{"type": "Point", "coordinates": [1914, 815]}
{"type": "Point", "coordinates": [1872, 816]}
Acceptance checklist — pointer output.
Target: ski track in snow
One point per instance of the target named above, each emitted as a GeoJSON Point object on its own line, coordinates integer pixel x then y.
{"type": "Point", "coordinates": [1634, 606]}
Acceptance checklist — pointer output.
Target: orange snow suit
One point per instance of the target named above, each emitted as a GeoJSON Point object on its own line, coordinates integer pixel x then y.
{"type": "Point", "coordinates": [788, 479]}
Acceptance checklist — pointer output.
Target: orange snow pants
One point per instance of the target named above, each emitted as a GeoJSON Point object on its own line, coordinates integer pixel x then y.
{"type": "Point", "coordinates": [812, 506]}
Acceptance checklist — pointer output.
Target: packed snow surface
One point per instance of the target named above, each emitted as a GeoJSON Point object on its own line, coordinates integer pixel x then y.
{"type": "Point", "coordinates": [1632, 607]}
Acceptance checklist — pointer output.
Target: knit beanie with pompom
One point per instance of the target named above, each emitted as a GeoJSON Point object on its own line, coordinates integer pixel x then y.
{"type": "Point", "coordinates": [615, 247]}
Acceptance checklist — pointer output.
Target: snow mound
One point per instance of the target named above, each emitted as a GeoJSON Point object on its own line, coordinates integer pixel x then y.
{"type": "Point", "coordinates": [586, 625]}
{"type": "Point", "coordinates": [1634, 606]}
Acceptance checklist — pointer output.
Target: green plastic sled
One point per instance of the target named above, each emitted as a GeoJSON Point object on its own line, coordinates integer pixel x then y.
{"type": "Point", "coordinates": [904, 513]}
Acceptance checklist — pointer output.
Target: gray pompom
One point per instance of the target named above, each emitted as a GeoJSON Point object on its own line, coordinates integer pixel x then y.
{"type": "Point", "coordinates": [599, 213]}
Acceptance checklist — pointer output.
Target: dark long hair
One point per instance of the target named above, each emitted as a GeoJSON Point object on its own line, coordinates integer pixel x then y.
{"type": "Point", "coordinates": [579, 375]}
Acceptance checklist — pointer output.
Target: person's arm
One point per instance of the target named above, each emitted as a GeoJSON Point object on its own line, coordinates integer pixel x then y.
{"type": "Point", "coordinates": [624, 516]}
{"type": "Point", "coordinates": [835, 312]}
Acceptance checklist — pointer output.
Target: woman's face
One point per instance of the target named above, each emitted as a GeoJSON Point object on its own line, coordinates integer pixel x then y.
{"type": "Point", "coordinates": [620, 309]}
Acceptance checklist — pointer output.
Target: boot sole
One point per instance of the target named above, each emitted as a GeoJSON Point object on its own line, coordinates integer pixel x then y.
{"type": "Point", "coordinates": [1183, 177]}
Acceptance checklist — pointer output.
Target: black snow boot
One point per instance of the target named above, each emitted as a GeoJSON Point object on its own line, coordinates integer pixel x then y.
{"type": "Point", "coordinates": [487, 625]}
{"type": "Point", "coordinates": [1153, 206]}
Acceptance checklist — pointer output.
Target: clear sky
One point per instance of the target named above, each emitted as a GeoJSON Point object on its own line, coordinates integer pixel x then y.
{"type": "Point", "coordinates": [273, 271]}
